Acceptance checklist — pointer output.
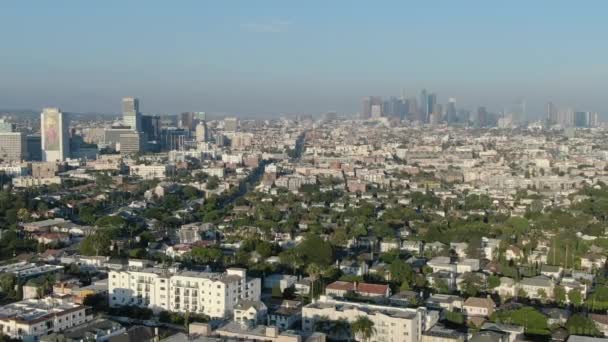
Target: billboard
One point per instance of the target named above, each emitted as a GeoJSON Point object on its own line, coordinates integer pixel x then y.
{"type": "Point", "coordinates": [52, 129]}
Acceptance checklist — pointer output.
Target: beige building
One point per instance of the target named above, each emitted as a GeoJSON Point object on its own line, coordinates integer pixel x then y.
{"type": "Point", "coordinates": [13, 147]}
{"type": "Point", "coordinates": [391, 323]}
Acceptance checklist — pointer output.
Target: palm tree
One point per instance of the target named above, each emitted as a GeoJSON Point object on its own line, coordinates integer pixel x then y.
{"type": "Point", "coordinates": [363, 328]}
{"type": "Point", "coordinates": [314, 271]}
{"type": "Point", "coordinates": [342, 330]}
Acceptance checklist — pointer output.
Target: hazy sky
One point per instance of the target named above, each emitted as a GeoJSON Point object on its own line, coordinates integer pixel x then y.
{"type": "Point", "coordinates": [270, 57]}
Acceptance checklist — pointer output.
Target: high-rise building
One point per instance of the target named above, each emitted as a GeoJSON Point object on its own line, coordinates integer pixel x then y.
{"type": "Point", "coordinates": [150, 126]}
{"type": "Point", "coordinates": [6, 126]}
{"type": "Point", "coordinates": [412, 109]}
{"type": "Point", "coordinates": [201, 131]}
{"type": "Point", "coordinates": [231, 124]}
{"type": "Point", "coordinates": [34, 147]}
{"type": "Point", "coordinates": [188, 121]}
{"type": "Point", "coordinates": [173, 138]}
{"type": "Point", "coordinates": [552, 114]}
{"type": "Point", "coordinates": [565, 117]}
{"type": "Point", "coordinates": [132, 142]}
{"type": "Point", "coordinates": [581, 119]}
{"type": "Point", "coordinates": [432, 105]}
{"type": "Point", "coordinates": [593, 119]}
{"type": "Point", "coordinates": [424, 111]}
{"type": "Point", "coordinates": [130, 113]}
{"type": "Point", "coordinates": [55, 135]}
{"type": "Point", "coordinates": [451, 114]}
{"type": "Point", "coordinates": [376, 111]}
{"type": "Point", "coordinates": [367, 104]}
{"type": "Point", "coordinates": [482, 117]}
{"type": "Point", "coordinates": [13, 146]}
{"type": "Point", "coordinates": [200, 116]}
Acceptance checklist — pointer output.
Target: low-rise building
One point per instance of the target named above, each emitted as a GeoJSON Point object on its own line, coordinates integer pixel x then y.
{"type": "Point", "coordinates": [30, 319]}
{"type": "Point", "coordinates": [391, 323]}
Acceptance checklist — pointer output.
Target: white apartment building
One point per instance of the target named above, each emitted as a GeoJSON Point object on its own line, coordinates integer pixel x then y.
{"type": "Point", "coordinates": [150, 171]}
{"type": "Point", "coordinates": [212, 294]}
{"type": "Point", "coordinates": [391, 323]}
{"type": "Point", "coordinates": [31, 318]}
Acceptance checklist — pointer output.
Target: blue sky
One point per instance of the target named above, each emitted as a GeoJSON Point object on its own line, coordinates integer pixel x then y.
{"type": "Point", "coordinates": [271, 57]}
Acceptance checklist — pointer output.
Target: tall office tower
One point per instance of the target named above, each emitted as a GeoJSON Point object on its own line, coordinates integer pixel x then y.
{"type": "Point", "coordinates": [34, 147]}
{"type": "Point", "coordinates": [200, 116]}
{"type": "Point", "coordinates": [593, 119]}
{"type": "Point", "coordinates": [130, 113]}
{"type": "Point", "coordinates": [188, 121]}
{"type": "Point", "coordinates": [376, 111]}
{"type": "Point", "coordinates": [392, 107]}
{"type": "Point", "coordinates": [581, 119]}
{"type": "Point", "coordinates": [482, 117]}
{"type": "Point", "coordinates": [412, 109]}
{"type": "Point", "coordinates": [150, 125]}
{"type": "Point", "coordinates": [565, 117]}
{"type": "Point", "coordinates": [552, 114]}
{"type": "Point", "coordinates": [55, 135]}
{"type": "Point", "coordinates": [231, 124]}
{"type": "Point", "coordinates": [424, 111]}
{"type": "Point", "coordinates": [13, 146]}
{"type": "Point", "coordinates": [432, 104]}
{"type": "Point", "coordinates": [6, 127]}
{"type": "Point", "coordinates": [366, 108]}
{"type": "Point", "coordinates": [451, 114]}
{"type": "Point", "coordinates": [172, 138]}
{"type": "Point", "coordinates": [201, 131]}
{"type": "Point", "coordinates": [367, 104]}
{"type": "Point", "coordinates": [132, 143]}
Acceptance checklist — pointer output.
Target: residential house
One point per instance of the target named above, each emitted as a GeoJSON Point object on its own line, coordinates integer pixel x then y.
{"type": "Point", "coordinates": [480, 307]}
{"type": "Point", "coordinates": [535, 287]}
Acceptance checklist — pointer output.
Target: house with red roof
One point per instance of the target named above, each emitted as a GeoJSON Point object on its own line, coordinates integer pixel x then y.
{"type": "Point", "coordinates": [341, 288]}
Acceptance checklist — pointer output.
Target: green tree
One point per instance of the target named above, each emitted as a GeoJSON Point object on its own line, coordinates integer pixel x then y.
{"type": "Point", "coordinates": [559, 293]}
{"type": "Point", "coordinates": [363, 328]}
{"type": "Point", "coordinates": [580, 325]}
{"type": "Point", "coordinates": [493, 281]}
{"type": "Point", "coordinates": [96, 244]}
{"type": "Point", "coordinates": [532, 320]}
{"type": "Point", "coordinates": [401, 272]}
{"type": "Point", "coordinates": [8, 281]}
{"type": "Point", "coordinates": [315, 250]}
{"type": "Point", "coordinates": [455, 317]}
{"type": "Point", "coordinates": [575, 297]}
{"type": "Point", "coordinates": [314, 271]}
{"type": "Point", "coordinates": [471, 284]}
{"type": "Point", "coordinates": [205, 255]}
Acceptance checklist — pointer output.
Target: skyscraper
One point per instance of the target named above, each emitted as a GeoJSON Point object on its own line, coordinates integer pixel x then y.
{"type": "Point", "coordinates": [130, 113]}
{"type": "Point", "coordinates": [150, 125]}
{"type": "Point", "coordinates": [482, 117]}
{"type": "Point", "coordinates": [6, 127]}
{"type": "Point", "coordinates": [201, 132]}
{"type": "Point", "coordinates": [593, 119]}
{"type": "Point", "coordinates": [552, 114]}
{"type": "Point", "coordinates": [13, 146]}
{"type": "Point", "coordinates": [188, 121]}
{"type": "Point", "coordinates": [431, 106]}
{"type": "Point", "coordinates": [55, 135]}
{"type": "Point", "coordinates": [582, 119]}
{"type": "Point", "coordinates": [367, 104]}
{"type": "Point", "coordinates": [451, 115]}
{"type": "Point", "coordinates": [424, 111]}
